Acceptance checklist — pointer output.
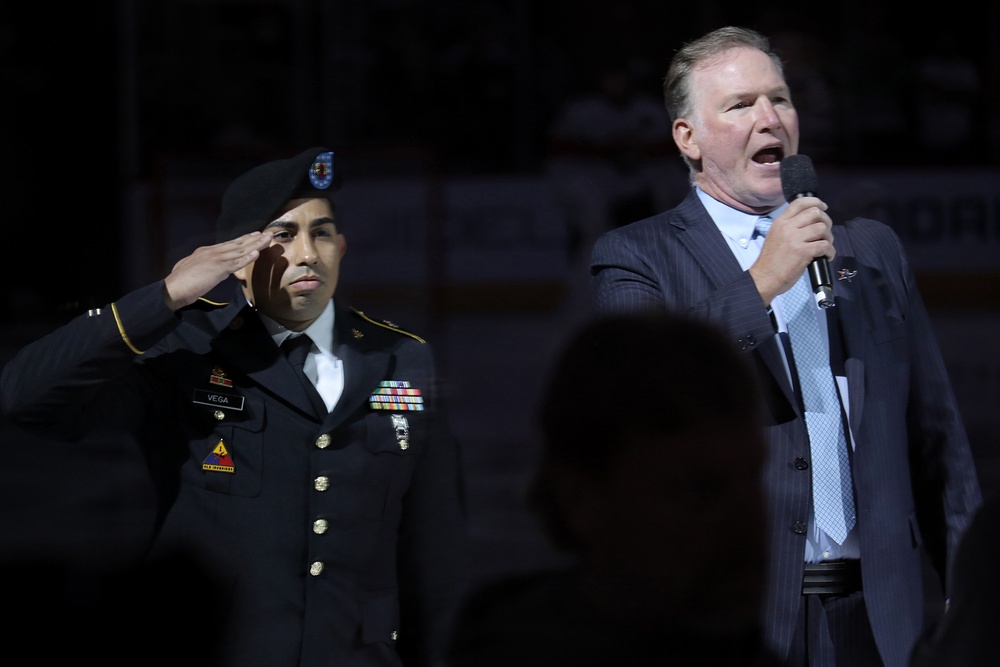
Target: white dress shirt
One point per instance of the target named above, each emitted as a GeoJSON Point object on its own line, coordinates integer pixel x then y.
{"type": "Point", "coordinates": [322, 367]}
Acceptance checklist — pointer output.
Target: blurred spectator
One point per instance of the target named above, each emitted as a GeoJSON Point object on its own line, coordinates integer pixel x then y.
{"type": "Point", "coordinates": [477, 108]}
{"type": "Point", "coordinates": [966, 636]}
{"type": "Point", "coordinates": [649, 476]}
{"type": "Point", "coordinates": [611, 157]}
{"type": "Point", "coordinates": [948, 89]}
{"type": "Point", "coordinates": [812, 83]}
{"type": "Point", "coordinates": [879, 95]}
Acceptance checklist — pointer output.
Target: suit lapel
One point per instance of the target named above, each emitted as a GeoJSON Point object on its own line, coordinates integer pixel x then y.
{"type": "Point", "coordinates": [702, 239]}
{"type": "Point", "coordinates": [846, 322]}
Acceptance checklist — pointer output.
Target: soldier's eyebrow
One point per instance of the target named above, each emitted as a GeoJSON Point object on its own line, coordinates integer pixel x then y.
{"type": "Point", "coordinates": [281, 224]}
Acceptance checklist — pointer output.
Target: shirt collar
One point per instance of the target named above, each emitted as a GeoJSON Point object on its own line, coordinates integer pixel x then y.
{"type": "Point", "coordinates": [734, 224]}
{"type": "Point", "coordinates": [321, 330]}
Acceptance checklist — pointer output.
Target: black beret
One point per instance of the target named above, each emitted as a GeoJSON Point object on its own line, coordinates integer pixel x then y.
{"type": "Point", "coordinates": [254, 199]}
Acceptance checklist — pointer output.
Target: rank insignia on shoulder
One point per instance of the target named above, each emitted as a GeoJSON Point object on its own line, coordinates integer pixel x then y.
{"type": "Point", "coordinates": [218, 377]}
{"type": "Point", "coordinates": [386, 324]}
{"type": "Point", "coordinates": [219, 460]}
{"type": "Point", "coordinates": [396, 395]}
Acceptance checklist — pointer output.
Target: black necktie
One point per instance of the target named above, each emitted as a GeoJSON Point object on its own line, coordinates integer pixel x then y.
{"type": "Point", "coordinates": [295, 349]}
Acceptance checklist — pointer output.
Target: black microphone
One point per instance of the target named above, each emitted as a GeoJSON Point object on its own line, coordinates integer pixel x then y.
{"type": "Point", "coordinates": [798, 179]}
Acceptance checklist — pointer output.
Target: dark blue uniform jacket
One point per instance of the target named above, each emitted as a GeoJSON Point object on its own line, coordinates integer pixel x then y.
{"type": "Point", "coordinates": [339, 536]}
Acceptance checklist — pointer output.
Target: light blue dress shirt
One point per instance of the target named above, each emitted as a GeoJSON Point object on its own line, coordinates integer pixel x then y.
{"type": "Point", "coordinates": [738, 230]}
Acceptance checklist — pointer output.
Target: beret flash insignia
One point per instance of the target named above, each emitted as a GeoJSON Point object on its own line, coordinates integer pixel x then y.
{"type": "Point", "coordinates": [321, 171]}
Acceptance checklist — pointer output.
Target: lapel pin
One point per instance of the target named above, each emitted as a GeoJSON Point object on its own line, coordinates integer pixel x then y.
{"type": "Point", "coordinates": [846, 274]}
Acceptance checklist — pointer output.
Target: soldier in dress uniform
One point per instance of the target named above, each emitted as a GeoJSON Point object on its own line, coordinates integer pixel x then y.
{"type": "Point", "coordinates": [323, 493]}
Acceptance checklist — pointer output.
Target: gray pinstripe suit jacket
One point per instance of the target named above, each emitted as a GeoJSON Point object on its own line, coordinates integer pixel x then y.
{"type": "Point", "coordinates": [915, 482]}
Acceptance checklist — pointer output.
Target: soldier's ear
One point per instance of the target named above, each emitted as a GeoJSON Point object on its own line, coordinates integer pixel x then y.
{"type": "Point", "coordinates": [243, 275]}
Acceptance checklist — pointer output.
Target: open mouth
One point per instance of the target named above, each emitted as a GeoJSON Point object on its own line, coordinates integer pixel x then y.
{"type": "Point", "coordinates": [769, 156]}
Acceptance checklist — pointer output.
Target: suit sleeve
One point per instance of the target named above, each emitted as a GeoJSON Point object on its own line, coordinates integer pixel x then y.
{"type": "Point", "coordinates": [946, 486]}
{"type": "Point", "coordinates": [640, 269]}
{"type": "Point", "coordinates": [944, 482]}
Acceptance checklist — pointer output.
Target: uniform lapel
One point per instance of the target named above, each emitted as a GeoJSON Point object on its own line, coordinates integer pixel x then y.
{"type": "Point", "coordinates": [245, 343]}
{"type": "Point", "coordinates": [364, 366]}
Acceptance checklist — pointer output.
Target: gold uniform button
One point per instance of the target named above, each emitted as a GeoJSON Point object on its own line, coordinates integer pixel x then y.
{"type": "Point", "coordinates": [323, 441]}
{"type": "Point", "coordinates": [320, 526]}
{"type": "Point", "coordinates": [219, 415]}
{"type": "Point", "coordinates": [316, 569]}
{"type": "Point", "coordinates": [404, 443]}
{"type": "Point", "coordinates": [321, 483]}
{"type": "Point", "coordinates": [394, 635]}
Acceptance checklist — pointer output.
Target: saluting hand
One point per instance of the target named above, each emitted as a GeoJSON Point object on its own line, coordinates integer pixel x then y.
{"type": "Point", "coordinates": [799, 235]}
{"type": "Point", "coordinates": [195, 275]}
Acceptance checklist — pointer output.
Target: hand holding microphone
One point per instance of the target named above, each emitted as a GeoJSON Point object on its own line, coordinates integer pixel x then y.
{"type": "Point", "coordinates": [798, 179]}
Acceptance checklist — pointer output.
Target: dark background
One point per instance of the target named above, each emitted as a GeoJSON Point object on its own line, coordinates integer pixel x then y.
{"type": "Point", "coordinates": [97, 96]}
{"type": "Point", "coordinates": [102, 97]}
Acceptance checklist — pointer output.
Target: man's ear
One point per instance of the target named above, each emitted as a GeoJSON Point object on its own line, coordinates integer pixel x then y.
{"type": "Point", "coordinates": [684, 137]}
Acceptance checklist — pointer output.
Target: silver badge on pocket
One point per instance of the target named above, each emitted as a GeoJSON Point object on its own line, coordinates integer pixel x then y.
{"type": "Point", "coordinates": [402, 428]}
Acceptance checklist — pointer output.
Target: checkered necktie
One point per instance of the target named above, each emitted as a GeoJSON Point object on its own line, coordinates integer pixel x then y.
{"type": "Point", "coordinates": [833, 493]}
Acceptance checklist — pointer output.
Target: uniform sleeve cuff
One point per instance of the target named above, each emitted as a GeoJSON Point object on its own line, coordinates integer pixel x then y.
{"type": "Point", "coordinates": [143, 317]}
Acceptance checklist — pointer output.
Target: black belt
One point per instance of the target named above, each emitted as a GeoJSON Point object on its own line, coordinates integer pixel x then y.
{"type": "Point", "coordinates": [832, 577]}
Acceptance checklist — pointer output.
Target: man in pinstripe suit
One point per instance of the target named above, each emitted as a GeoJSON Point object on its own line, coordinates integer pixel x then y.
{"type": "Point", "coordinates": [850, 601]}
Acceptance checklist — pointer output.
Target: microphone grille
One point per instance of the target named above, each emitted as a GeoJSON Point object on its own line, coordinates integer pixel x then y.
{"type": "Point", "coordinates": [798, 176]}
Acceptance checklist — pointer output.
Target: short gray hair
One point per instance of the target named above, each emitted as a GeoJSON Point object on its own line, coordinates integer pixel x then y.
{"type": "Point", "coordinates": [677, 82]}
